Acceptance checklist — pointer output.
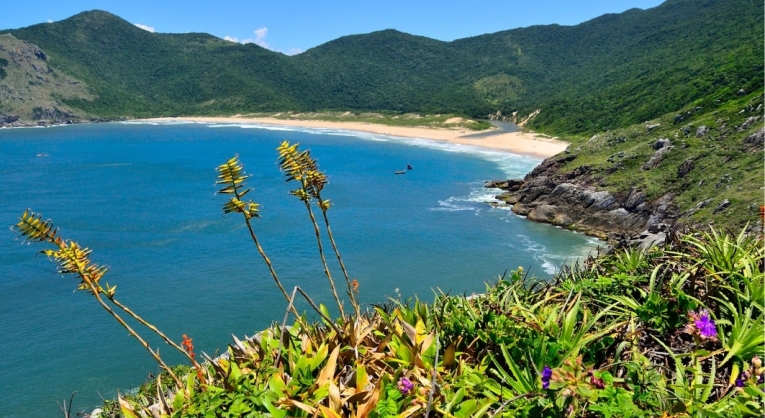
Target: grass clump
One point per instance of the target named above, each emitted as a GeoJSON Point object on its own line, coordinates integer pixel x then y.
{"type": "Point", "coordinates": [676, 330]}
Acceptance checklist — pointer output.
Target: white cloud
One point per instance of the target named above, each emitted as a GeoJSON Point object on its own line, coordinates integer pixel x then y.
{"type": "Point", "coordinates": [144, 27]}
{"type": "Point", "coordinates": [50, 21]}
{"type": "Point", "coordinates": [260, 39]}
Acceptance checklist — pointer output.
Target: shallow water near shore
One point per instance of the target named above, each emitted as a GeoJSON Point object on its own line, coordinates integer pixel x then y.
{"type": "Point", "coordinates": [142, 197]}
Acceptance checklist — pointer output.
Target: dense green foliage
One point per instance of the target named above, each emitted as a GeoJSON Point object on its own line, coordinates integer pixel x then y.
{"type": "Point", "coordinates": [657, 64]}
{"type": "Point", "coordinates": [612, 71]}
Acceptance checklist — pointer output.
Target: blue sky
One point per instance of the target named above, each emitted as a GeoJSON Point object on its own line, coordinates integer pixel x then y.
{"type": "Point", "coordinates": [291, 26]}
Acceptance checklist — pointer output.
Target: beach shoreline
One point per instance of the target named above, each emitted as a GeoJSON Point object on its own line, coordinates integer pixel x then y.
{"type": "Point", "coordinates": [522, 143]}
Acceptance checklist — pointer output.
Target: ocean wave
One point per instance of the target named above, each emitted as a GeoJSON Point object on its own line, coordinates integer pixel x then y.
{"type": "Point", "coordinates": [477, 200]}
{"type": "Point", "coordinates": [549, 261]}
{"type": "Point", "coordinates": [454, 204]}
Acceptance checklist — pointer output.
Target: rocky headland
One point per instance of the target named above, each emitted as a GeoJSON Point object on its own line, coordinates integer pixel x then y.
{"type": "Point", "coordinates": [572, 200]}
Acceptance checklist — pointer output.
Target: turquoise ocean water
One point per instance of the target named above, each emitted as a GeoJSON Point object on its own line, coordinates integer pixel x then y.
{"type": "Point", "coordinates": [141, 196]}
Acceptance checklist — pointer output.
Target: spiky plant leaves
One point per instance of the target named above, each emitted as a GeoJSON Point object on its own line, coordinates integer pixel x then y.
{"type": "Point", "coordinates": [301, 167]}
{"type": "Point", "coordinates": [126, 408]}
{"type": "Point", "coordinates": [232, 176]}
{"type": "Point", "coordinates": [328, 372]}
{"type": "Point", "coordinates": [290, 162]}
{"type": "Point", "coordinates": [248, 209]}
{"type": "Point", "coordinates": [33, 228]}
{"type": "Point", "coordinates": [231, 173]}
{"type": "Point", "coordinates": [301, 194]}
{"type": "Point", "coordinates": [70, 256]}
{"type": "Point", "coordinates": [74, 259]}
{"type": "Point", "coordinates": [328, 413]}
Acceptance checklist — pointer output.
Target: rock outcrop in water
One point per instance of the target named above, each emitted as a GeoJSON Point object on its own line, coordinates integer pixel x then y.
{"type": "Point", "coordinates": [572, 201]}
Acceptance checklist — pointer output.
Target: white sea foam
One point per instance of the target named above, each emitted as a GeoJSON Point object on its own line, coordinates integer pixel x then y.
{"type": "Point", "coordinates": [477, 200]}
{"type": "Point", "coordinates": [550, 262]}
{"type": "Point", "coordinates": [156, 123]}
{"type": "Point", "coordinates": [453, 204]}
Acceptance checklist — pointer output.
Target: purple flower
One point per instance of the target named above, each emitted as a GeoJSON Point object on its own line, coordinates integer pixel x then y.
{"type": "Point", "coordinates": [739, 382]}
{"type": "Point", "coordinates": [546, 376]}
{"type": "Point", "coordinates": [405, 385]}
{"type": "Point", "coordinates": [702, 325]}
{"type": "Point", "coordinates": [706, 325]}
{"type": "Point", "coordinates": [598, 383]}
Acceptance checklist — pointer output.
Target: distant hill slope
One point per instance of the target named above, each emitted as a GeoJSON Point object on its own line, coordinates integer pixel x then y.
{"type": "Point", "coordinates": [32, 90]}
{"type": "Point", "coordinates": [609, 72]}
{"type": "Point", "coordinates": [136, 73]}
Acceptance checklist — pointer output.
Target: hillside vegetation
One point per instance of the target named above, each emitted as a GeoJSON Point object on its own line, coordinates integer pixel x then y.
{"type": "Point", "coordinates": [710, 161]}
{"type": "Point", "coordinates": [612, 71]}
{"type": "Point", "coordinates": [31, 87]}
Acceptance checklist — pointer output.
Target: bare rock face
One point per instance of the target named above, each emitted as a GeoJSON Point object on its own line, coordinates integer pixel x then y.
{"type": "Point", "coordinates": [747, 123]}
{"type": "Point", "coordinates": [511, 185]}
{"type": "Point", "coordinates": [755, 141]}
{"type": "Point", "coordinates": [701, 131]}
{"type": "Point", "coordinates": [656, 158]}
{"type": "Point", "coordinates": [8, 120]}
{"type": "Point", "coordinates": [685, 167]}
{"type": "Point", "coordinates": [661, 143]}
{"type": "Point", "coordinates": [32, 92]}
{"type": "Point", "coordinates": [573, 201]}
{"type": "Point", "coordinates": [722, 206]}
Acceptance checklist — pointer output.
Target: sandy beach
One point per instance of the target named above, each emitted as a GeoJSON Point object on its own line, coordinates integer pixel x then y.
{"type": "Point", "coordinates": [523, 143]}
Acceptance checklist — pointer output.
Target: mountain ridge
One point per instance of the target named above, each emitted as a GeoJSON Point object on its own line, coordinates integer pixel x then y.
{"type": "Point", "coordinates": [591, 70]}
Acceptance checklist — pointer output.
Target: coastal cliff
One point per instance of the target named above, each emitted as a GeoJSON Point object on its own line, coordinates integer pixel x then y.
{"type": "Point", "coordinates": [574, 201]}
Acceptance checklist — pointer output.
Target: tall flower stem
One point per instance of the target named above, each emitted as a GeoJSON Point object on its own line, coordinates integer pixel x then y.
{"type": "Point", "coordinates": [148, 325]}
{"type": "Point", "coordinates": [231, 174]}
{"type": "Point", "coordinates": [135, 335]}
{"type": "Point", "coordinates": [74, 259]}
{"type": "Point", "coordinates": [323, 259]}
{"type": "Point", "coordinates": [351, 293]}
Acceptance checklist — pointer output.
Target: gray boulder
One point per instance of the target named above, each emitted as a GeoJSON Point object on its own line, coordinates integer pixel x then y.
{"type": "Point", "coordinates": [685, 167]}
{"type": "Point", "coordinates": [747, 123]}
{"type": "Point", "coordinates": [756, 140]}
{"type": "Point", "coordinates": [656, 158]}
{"type": "Point", "coordinates": [722, 206]}
{"type": "Point", "coordinates": [661, 143]}
{"type": "Point", "coordinates": [633, 200]}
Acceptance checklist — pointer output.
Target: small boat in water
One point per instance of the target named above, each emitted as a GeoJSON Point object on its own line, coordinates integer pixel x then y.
{"type": "Point", "coordinates": [400, 172]}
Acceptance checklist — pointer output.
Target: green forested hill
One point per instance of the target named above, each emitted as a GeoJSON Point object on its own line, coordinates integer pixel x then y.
{"type": "Point", "coordinates": [388, 70]}
{"type": "Point", "coordinates": [609, 72]}
{"type": "Point", "coordinates": [137, 73]}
